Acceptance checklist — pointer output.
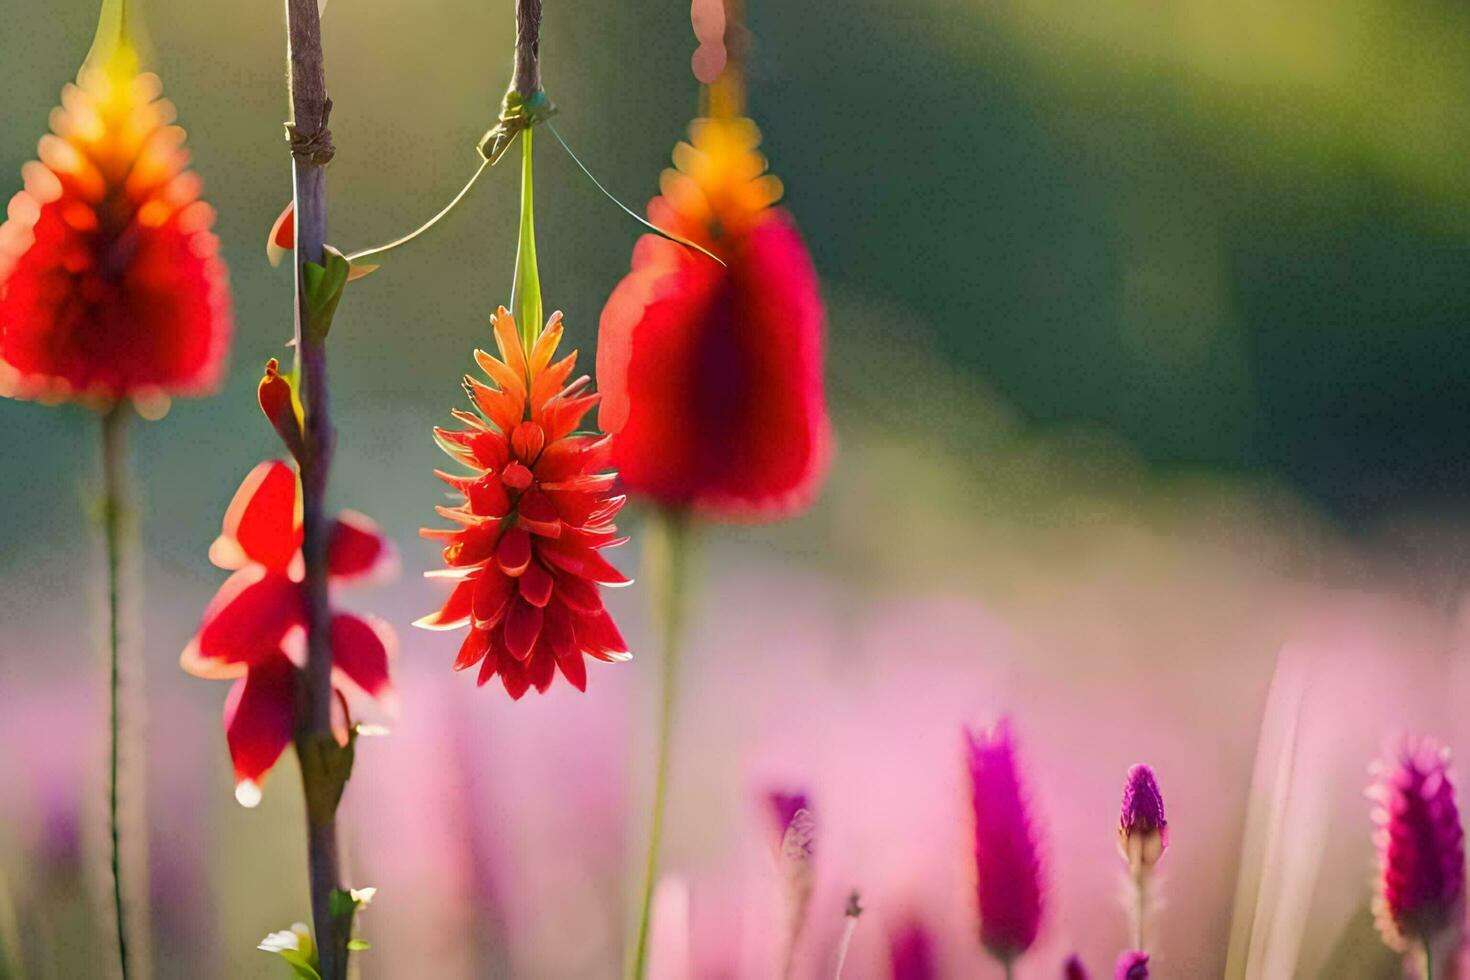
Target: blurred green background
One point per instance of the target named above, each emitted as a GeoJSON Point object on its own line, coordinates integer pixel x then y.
{"type": "Point", "coordinates": [1165, 291]}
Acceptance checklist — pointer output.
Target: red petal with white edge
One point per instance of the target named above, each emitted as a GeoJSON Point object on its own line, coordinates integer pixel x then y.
{"type": "Point", "coordinates": [356, 549]}
{"type": "Point", "coordinates": [578, 593]}
{"type": "Point", "coordinates": [283, 235]}
{"type": "Point", "coordinates": [538, 515]}
{"type": "Point", "coordinates": [492, 595]}
{"type": "Point", "coordinates": [260, 717]}
{"type": "Point", "coordinates": [513, 553]}
{"type": "Point", "coordinates": [456, 611]}
{"type": "Point", "coordinates": [261, 524]}
{"type": "Point", "coordinates": [249, 616]}
{"type": "Point", "coordinates": [536, 585]}
{"type": "Point", "coordinates": [522, 627]}
{"type": "Point", "coordinates": [360, 651]}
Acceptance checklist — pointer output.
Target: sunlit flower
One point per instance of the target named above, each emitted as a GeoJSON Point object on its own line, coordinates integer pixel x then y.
{"type": "Point", "coordinates": [1143, 833]}
{"type": "Point", "coordinates": [1132, 965]}
{"type": "Point", "coordinates": [538, 509]}
{"type": "Point", "coordinates": [111, 282]}
{"type": "Point", "coordinates": [1421, 845]}
{"type": "Point", "coordinates": [254, 628]}
{"type": "Point", "coordinates": [1007, 859]}
{"type": "Point", "coordinates": [711, 375]}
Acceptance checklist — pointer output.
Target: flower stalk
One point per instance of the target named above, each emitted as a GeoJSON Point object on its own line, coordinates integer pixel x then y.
{"type": "Point", "coordinates": [115, 516]}
{"type": "Point", "coordinates": [668, 560]}
{"type": "Point", "coordinates": [325, 764]}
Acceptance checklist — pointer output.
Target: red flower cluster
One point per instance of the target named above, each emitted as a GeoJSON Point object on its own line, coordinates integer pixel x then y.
{"type": "Point", "coordinates": [254, 628]}
{"type": "Point", "coordinates": [537, 511]}
{"type": "Point", "coordinates": [111, 284]}
{"type": "Point", "coordinates": [711, 375]}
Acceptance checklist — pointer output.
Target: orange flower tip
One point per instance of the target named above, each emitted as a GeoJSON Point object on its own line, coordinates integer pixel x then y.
{"type": "Point", "coordinates": [277, 401]}
{"type": "Point", "coordinates": [247, 793]}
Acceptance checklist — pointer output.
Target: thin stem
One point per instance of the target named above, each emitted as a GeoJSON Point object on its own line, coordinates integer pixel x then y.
{"type": "Point", "coordinates": [1140, 907]}
{"type": "Point", "coordinates": [114, 507]}
{"type": "Point", "coordinates": [853, 912]}
{"type": "Point", "coordinates": [1428, 961]}
{"type": "Point", "coordinates": [669, 550]}
{"type": "Point", "coordinates": [526, 296]}
{"type": "Point", "coordinates": [1010, 968]}
{"type": "Point", "coordinates": [324, 764]}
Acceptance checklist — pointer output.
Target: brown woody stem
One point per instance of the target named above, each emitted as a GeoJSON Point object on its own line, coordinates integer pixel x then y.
{"type": "Point", "coordinates": [324, 764]}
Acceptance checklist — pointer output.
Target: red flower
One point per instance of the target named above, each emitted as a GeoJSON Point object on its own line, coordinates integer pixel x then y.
{"type": "Point", "coordinates": [711, 375]}
{"type": "Point", "coordinates": [111, 284]}
{"type": "Point", "coordinates": [254, 628]}
{"type": "Point", "coordinates": [537, 511]}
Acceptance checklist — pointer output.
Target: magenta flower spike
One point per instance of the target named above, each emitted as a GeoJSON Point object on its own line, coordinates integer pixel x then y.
{"type": "Point", "coordinates": [1007, 861]}
{"type": "Point", "coordinates": [1132, 965]}
{"type": "Point", "coordinates": [1143, 833]}
{"type": "Point", "coordinates": [1074, 970]}
{"type": "Point", "coordinates": [1421, 845]}
{"type": "Point", "coordinates": [911, 953]}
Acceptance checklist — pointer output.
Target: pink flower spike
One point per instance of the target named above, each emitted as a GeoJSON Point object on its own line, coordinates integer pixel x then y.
{"type": "Point", "coordinates": [911, 953]}
{"type": "Point", "coordinates": [1132, 965]}
{"type": "Point", "coordinates": [1007, 861]}
{"type": "Point", "coordinates": [1073, 969]}
{"type": "Point", "coordinates": [1421, 845]}
{"type": "Point", "coordinates": [1143, 833]}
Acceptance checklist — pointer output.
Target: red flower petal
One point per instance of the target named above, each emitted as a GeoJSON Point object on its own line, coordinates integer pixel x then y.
{"type": "Point", "coordinates": [522, 627]}
{"type": "Point", "coordinates": [541, 669]}
{"type": "Point", "coordinates": [574, 669]}
{"type": "Point", "coordinates": [455, 612]}
{"type": "Point", "coordinates": [360, 651]}
{"type": "Point", "coordinates": [260, 719]}
{"type": "Point", "coordinates": [261, 522]}
{"type": "Point", "coordinates": [249, 617]}
{"type": "Point", "coordinates": [492, 595]}
{"type": "Point", "coordinates": [356, 548]}
{"type": "Point", "coordinates": [472, 651]}
{"type": "Point", "coordinates": [513, 676]}
{"type": "Point", "coordinates": [513, 553]}
{"type": "Point", "coordinates": [536, 585]}
{"type": "Point", "coordinates": [712, 376]}
{"type": "Point", "coordinates": [537, 513]}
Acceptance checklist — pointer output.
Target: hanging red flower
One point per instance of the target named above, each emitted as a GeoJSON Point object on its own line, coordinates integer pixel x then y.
{"type": "Point", "coordinates": [711, 375]}
{"type": "Point", "coordinates": [111, 283]}
{"type": "Point", "coordinates": [538, 510]}
{"type": "Point", "coordinates": [254, 630]}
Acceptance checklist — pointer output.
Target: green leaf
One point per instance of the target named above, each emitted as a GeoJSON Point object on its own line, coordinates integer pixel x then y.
{"type": "Point", "coordinates": [294, 945]}
{"type": "Point", "coordinates": [358, 945]}
{"type": "Point", "coordinates": [323, 286]}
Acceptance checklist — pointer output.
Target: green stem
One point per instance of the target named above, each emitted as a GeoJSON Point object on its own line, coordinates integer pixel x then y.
{"type": "Point", "coordinates": [526, 297]}
{"type": "Point", "coordinates": [1428, 962]}
{"type": "Point", "coordinates": [669, 548]}
{"type": "Point", "coordinates": [114, 505]}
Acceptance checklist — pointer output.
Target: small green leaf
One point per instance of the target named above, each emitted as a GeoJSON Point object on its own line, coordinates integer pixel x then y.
{"type": "Point", "coordinates": [294, 945]}
{"type": "Point", "coordinates": [342, 904]}
{"type": "Point", "coordinates": [323, 285]}
{"type": "Point", "coordinates": [358, 945]}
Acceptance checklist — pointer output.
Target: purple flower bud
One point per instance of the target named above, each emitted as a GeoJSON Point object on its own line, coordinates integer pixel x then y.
{"type": "Point", "coordinates": [1421, 844]}
{"type": "Point", "coordinates": [783, 807]}
{"type": "Point", "coordinates": [1007, 863]}
{"type": "Point", "coordinates": [911, 953]}
{"type": "Point", "coordinates": [1132, 965]}
{"type": "Point", "coordinates": [1143, 833]}
{"type": "Point", "coordinates": [1073, 969]}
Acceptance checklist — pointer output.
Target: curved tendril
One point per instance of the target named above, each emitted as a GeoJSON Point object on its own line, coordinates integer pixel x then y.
{"type": "Point", "coordinates": [662, 233]}
{"type": "Point", "coordinates": [390, 246]}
